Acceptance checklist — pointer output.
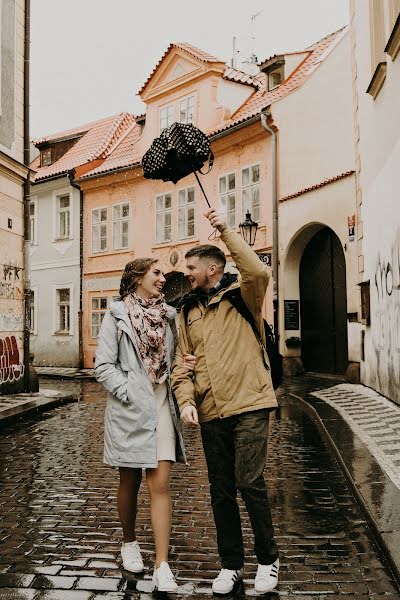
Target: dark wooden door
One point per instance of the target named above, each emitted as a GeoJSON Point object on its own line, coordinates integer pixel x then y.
{"type": "Point", "coordinates": [323, 304]}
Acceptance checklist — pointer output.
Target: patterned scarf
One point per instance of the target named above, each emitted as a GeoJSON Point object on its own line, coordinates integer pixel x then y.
{"type": "Point", "coordinates": [149, 323]}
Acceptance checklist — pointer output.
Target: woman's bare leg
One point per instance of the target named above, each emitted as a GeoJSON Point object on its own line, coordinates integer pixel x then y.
{"type": "Point", "coordinates": [129, 483]}
{"type": "Point", "coordinates": [158, 485]}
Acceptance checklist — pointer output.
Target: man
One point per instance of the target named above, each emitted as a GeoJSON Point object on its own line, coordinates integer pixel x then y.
{"type": "Point", "coordinates": [231, 395]}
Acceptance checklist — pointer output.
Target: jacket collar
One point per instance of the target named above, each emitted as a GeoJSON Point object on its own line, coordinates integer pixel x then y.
{"type": "Point", "coordinates": [193, 297]}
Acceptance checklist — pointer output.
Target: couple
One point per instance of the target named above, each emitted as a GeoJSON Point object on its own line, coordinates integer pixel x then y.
{"type": "Point", "coordinates": [219, 380]}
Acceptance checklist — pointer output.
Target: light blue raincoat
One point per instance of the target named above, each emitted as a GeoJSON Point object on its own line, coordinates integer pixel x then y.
{"type": "Point", "coordinates": [131, 414]}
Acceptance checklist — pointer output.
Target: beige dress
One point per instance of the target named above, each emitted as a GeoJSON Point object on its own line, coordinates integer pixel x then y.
{"type": "Point", "coordinates": [165, 427]}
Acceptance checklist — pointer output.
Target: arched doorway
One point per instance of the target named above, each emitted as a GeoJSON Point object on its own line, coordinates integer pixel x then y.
{"type": "Point", "coordinates": [323, 304]}
{"type": "Point", "coordinates": [175, 287]}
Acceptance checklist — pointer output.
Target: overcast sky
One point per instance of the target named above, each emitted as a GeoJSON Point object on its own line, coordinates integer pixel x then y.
{"type": "Point", "coordinates": [90, 57]}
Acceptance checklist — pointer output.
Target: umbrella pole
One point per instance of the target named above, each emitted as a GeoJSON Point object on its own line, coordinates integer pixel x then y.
{"type": "Point", "coordinates": [201, 187]}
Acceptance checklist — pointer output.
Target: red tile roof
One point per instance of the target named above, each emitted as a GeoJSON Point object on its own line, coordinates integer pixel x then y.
{"type": "Point", "coordinates": [240, 77]}
{"type": "Point", "coordinates": [96, 140]}
{"type": "Point", "coordinates": [316, 186]}
{"type": "Point", "coordinates": [192, 50]}
{"type": "Point", "coordinates": [124, 155]}
{"type": "Point", "coordinates": [261, 99]}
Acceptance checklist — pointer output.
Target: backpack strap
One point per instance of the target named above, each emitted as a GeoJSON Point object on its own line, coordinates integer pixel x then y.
{"type": "Point", "coordinates": [235, 298]}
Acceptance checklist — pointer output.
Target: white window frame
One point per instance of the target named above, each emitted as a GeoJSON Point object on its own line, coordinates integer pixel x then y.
{"type": "Point", "coordinates": [97, 311]}
{"type": "Point", "coordinates": [224, 196]}
{"type": "Point", "coordinates": [92, 225]}
{"type": "Point", "coordinates": [57, 194]}
{"type": "Point", "coordinates": [251, 187]}
{"type": "Point", "coordinates": [67, 218]}
{"type": "Point", "coordinates": [163, 211]}
{"type": "Point", "coordinates": [44, 161]}
{"type": "Point", "coordinates": [56, 311]}
{"type": "Point", "coordinates": [166, 116]}
{"type": "Point", "coordinates": [33, 309]}
{"type": "Point", "coordinates": [185, 207]}
{"type": "Point", "coordinates": [271, 84]}
{"type": "Point", "coordinates": [33, 221]}
{"type": "Point", "coordinates": [187, 100]}
{"type": "Point", "coordinates": [120, 221]}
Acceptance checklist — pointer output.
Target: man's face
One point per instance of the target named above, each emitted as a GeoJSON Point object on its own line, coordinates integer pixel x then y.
{"type": "Point", "coordinates": [199, 272]}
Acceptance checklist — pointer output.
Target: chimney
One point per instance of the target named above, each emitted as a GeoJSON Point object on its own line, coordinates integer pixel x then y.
{"type": "Point", "coordinates": [250, 66]}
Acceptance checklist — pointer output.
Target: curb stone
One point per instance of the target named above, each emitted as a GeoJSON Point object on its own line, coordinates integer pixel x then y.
{"type": "Point", "coordinates": [389, 550]}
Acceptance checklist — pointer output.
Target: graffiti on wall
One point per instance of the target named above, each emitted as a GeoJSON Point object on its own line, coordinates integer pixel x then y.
{"type": "Point", "coordinates": [11, 322]}
{"type": "Point", "coordinates": [386, 320]}
{"type": "Point", "coordinates": [11, 368]}
{"type": "Point", "coordinates": [10, 282]}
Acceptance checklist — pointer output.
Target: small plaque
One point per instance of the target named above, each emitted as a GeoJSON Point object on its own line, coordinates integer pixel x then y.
{"type": "Point", "coordinates": [291, 314]}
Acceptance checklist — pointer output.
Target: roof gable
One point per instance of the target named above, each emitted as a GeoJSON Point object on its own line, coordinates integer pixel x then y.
{"type": "Point", "coordinates": [179, 64]}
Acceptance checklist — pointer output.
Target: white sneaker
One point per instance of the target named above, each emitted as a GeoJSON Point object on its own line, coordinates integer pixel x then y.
{"type": "Point", "coordinates": [267, 577]}
{"type": "Point", "coordinates": [226, 581]}
{"type": "Point", "coordinates": [163, 579]}
{"type": "Point", "coordinates": [131, 558]}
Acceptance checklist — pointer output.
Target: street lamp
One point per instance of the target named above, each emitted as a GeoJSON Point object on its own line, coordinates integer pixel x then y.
{"type": "Point", "coordinates": [248, 229]}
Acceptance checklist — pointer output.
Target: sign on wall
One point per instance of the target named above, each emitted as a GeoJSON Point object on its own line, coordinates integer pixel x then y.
{"type": "Point", "coordinates": [351, 224]}
{"type": "Point", "coordinates": [291, 310]}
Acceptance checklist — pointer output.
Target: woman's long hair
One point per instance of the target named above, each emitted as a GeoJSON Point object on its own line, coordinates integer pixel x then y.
{"type": "Point", "coordinates": [134, 270]}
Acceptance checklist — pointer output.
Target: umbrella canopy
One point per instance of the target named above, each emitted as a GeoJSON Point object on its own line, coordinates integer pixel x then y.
{"type": "Point", "coordinates": [180, 150]}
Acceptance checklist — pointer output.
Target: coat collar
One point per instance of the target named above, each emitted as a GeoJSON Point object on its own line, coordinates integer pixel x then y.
{"type": "Point", "coordinates": [193, 297]}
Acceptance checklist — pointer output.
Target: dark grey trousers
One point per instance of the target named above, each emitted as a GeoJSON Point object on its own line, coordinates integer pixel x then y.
{"type": "Point", "coordinates": [236, 451]}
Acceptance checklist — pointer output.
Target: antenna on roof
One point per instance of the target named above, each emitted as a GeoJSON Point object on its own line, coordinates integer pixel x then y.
{"type": "Point", "coordinates": [235, 52]}
{"type": "Point", "coordinates": [253, 57]}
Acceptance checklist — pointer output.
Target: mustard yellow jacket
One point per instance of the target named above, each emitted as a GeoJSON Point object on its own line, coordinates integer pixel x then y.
{"type": "Point", "coordinates": [230, 377]}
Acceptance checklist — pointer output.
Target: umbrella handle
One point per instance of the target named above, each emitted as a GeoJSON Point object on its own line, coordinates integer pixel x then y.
{"type": "Point", "coordinates": [202, 189]}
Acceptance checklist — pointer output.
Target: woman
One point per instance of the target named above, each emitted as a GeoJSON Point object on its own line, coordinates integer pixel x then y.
{"type": "Point", "coordinates": [136, 347]}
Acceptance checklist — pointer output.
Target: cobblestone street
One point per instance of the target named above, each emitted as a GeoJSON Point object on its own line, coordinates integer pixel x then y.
{"type": "Point", "coordinates": [60, 535]}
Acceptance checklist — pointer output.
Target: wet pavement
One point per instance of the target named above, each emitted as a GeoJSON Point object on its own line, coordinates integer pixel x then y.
{"type": "Point", "coordinates": [60, 535]}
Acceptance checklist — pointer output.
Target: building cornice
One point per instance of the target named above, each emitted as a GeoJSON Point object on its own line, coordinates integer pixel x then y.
{"type": "Point", "coordinates": [377, 80]}
{"type": "Point", "coordinates": [12, 168]}
{"type": "Point", "coordinates": [393, 45]}
{"type": "Point", "coordinates": [317, 186]}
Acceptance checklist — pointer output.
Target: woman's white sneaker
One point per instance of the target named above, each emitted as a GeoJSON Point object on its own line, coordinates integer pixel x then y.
{"type": "Point", "coordinates": [163, 579]}
{"type": "Point", "coordinates": [226, 581]}
{"type": "Point", "coordinates": [131, 558]}
{"type": "Point", "coordinates": [267, 577]}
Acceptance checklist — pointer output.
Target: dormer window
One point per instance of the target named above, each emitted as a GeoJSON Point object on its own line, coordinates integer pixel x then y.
{"type": "Point", "coordinates": [45, 157]}
{"type": "Point", "coordinates": [275, 78]}
{"type": "Point", "coordinates": [274, 69]}
{"type": "Point", "coordinates": [186, 110]}
{"type": "Point", "coordinates": [167, 116]}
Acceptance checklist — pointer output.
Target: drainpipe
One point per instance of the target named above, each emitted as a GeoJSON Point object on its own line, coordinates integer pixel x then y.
{"type": "Point", "coordinates": [71, 176]}
{"type": "Point", "coordinates": [27, 197]}
{"type": "Point", "coordinates": [275, 269]}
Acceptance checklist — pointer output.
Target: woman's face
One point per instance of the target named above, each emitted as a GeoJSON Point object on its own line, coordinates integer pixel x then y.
{"type": "Point", "coordinates": [151, 283]}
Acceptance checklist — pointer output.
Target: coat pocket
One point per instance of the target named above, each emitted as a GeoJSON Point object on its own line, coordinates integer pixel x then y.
{"type": "Point", "coordinates": [195, 327]}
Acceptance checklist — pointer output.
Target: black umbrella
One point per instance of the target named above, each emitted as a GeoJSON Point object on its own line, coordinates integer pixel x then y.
{"type": "Point", "coordinates": [180, 150]}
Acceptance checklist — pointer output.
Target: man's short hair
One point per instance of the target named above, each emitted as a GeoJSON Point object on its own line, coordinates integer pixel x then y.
{"type": "Point", "coordinates": [208, 252]}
